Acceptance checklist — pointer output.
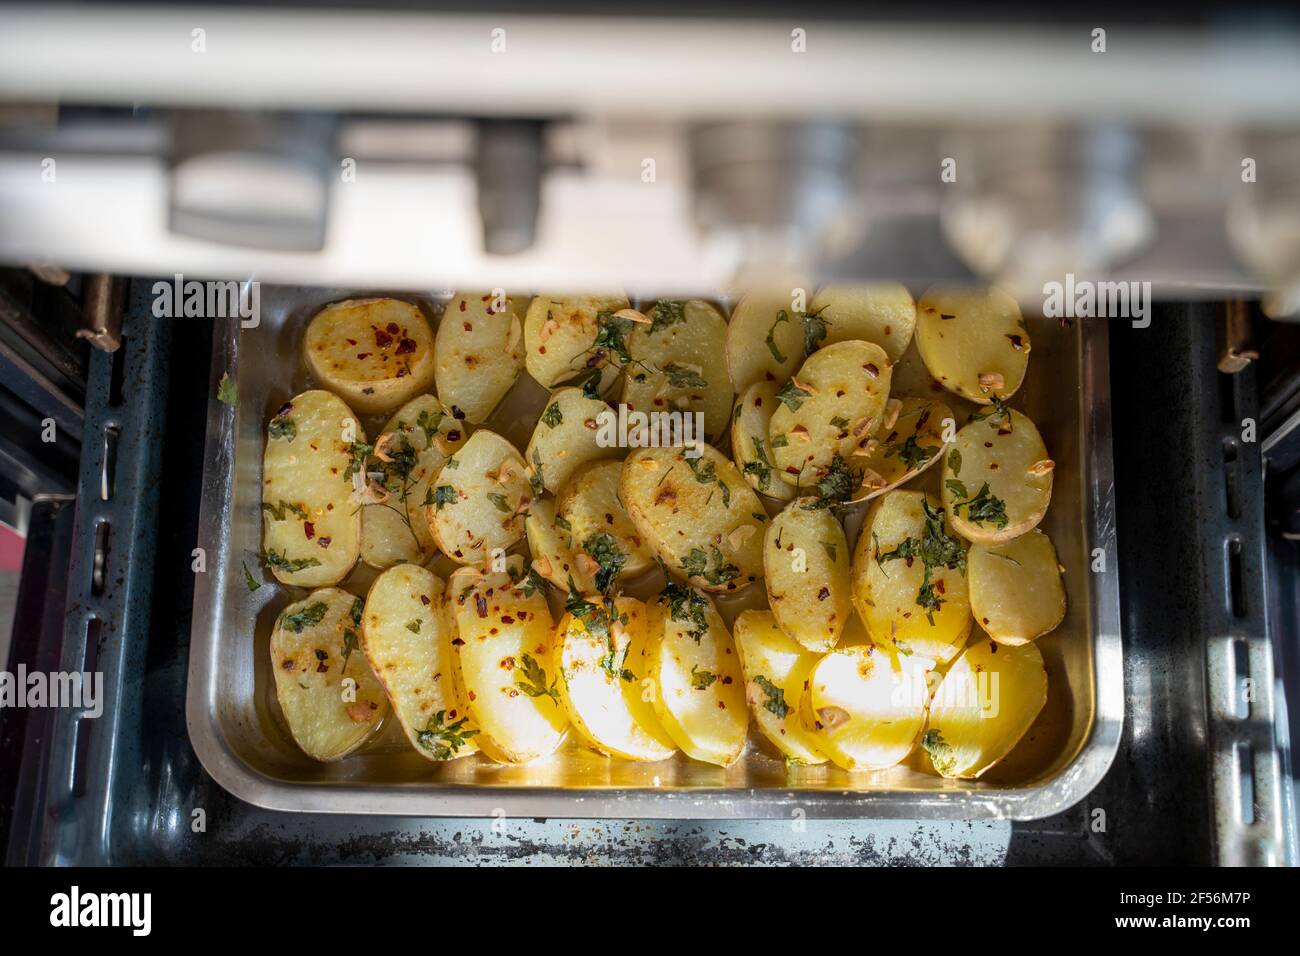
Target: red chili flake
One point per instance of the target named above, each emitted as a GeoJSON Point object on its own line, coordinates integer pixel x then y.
{"type": "Point", "coordinates": [285, 409]}
{"type": "Point", "coordinates": [523, 615]}
{"type": "Point", "coordinates": [457, 642]}
{"type": "Point", "coordinates": [321, 655]}
{"type": "Point", "coordinates": [823, 594]}
{"type": "Point", "coordinates": [454, 434]}
{"type": "Point", "coordinates": [945, 316]}
{"type": "Point", "coordinates": [726, 680]}
{"type": "Point", "coordinates": [938, 585]}
{"type": "Point", "coordinates": [993, 647]}
{"type": "Point", "coordinates": [457, 414]}
{"type": "Point", "coordinates": [1017, 342]}
{"type": "Point", "coordinates": [462, 305]}
{"type": "Point", "coordinates": [288, 664]}
{"type": "Point", "coordinates": [383, 339]}
{"type": "Point", "coordinates": [1004, 431]}
{"type": "Point", "coordinates": [508, 663]}
{"type": "Point", "coordinates": [309, 529]}
{"type": "Point", "coordinates": [468, 326]}
{"type": "Point", "coordinates": [352, 341]}
{"type": "Point", "coordinates": [392, 328]}
{"type": "Point", "coordinates": [363, 355]}
{"type": "Point", "coordinates": [889, 330]}
{"type": "Point", "coordinates": [589, 424]}
{"type": "Point", "coordinates": [758, 402]}
{"type": "Point", "coordinates": [324, 542]}
{"type": "Point", "coordinates": [480, 605]}
{"type": "Point", "coordinates": [405, 346]}
{"type": "Point", "coordinates": [424, 599]}
{"type": "Point", "coordinates": [507, 619]}
{"type": "Point", "coordinates": [872, 370]}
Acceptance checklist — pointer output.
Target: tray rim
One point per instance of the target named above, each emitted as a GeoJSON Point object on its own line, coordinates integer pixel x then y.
{"type": "Point", "coordinates": [955, 802]}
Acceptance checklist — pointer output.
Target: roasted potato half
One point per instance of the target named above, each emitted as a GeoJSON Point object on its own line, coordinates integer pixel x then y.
{"type": "Point", "coordinates": [974, 342]}
{"type": "Point", "coordinates": [478, 500]}
{"type": "Point", "coordinates": [606, 544]}
{"type": "Point", "coordinates": [314, 650]}
{"type": "Point", "coordinates": [560, 334]}
{"type": "Point", "coordinates": [1016, 593]}
{"type": "Point", "coordinates": [866, 706]}
{"type": "Point", "coordinates": [837, 397]}
{"type": "Point", "coordinates": [700, 517]}
{"type": "Point", "coordinates": [765, 337]}
{"type": "Point", "coordinates": [776, 669]}
{"type": "Point", "coordinates": [700, 698]}
{"type": "Point", "coordinates": [311, 522]}
{"type": "Point", "coordinates": [806, 572]}
{"type": "Point", "coordinates": [909, 578]}
{"type": "Point", "coordinates": [480, 352]}
{"type": "Point", "coordinates": [997, 478]}
{"type": "Point", "coordinates": [406, 633]}
{"type": "Point", "coordinates": [679, 363]}
{"type": "Point", "coordinates": [568, 435]}
{"type": "Point", "coordinates": [879, 312]}
{"type": "Point", "coordinates": [413, 447]}
{"type": "Point", "coordinates": [593, 647]}
{"type": "Point", "coordinates": [375, 353]}
{"type": "Point", "coordinates": [502, 650]}
{"type": "Point", "coordinates": [749, 441]}
{"type": "Point", "coordinates": [986, 702]}
{"type": "Point", "coordinates": [909, 440]}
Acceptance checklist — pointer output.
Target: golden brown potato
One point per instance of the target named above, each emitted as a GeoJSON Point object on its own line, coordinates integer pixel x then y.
{"type": "Point", "coordinates": [749, 441]}
{"type": "Point", "coordinates": [312, 526]}
{"type": "Point", "coordinates": [406, 634]}
{"type": "Point", "coordinates": [806, 573]}
{"type": "Point", "coordinates": [560, 339]}
{"type": "Point", "coordinates": [997, 478]}
{"type": "Point", "coordinates": [701, 518]}
{"type": "Point", "coordinates": [910, 604]}
{"type": "Point", "coordinates": [987, 701]}
{"type": "Point", "coordinates": [376, 353]}
{"type": "Point", "coordinates": [607, 546]}
{"type": "Point", "coordinates": [909, 440]}
{"type": "Point", "coordinates": [480, 352]}
{"type": "Point", "coordinates": [974, 341]}
{"type": "Point", "coordinates": [1016, 593]}
{"type": "Point", "coordinates": [567, 437]}
{"type": "Point", "coordinates": [765, 336]}
{"type": "Point", "coordinates": [776, 671]}
{"type": "Point", "coordinates": [477, 503]}
{"type": "Point", "coordinates": [879, 312]}
{"type": "Point", "coordinates": [329, 697]}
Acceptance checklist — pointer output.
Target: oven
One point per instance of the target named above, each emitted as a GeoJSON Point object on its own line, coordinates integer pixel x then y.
{"type": "Point", "coordinates": [1139, 207]}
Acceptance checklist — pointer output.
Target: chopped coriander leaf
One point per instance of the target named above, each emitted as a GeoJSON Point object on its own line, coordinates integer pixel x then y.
{"type": "Point", "coordinates": [814, 331]}
{"type": "Point", "coordinates": [686, 606]}
{"type": "Point", "coordinates": [775, 697]}
{"type": "Point", "coordinates": [604, 550]}
{"type": "Point", "coordinates": [536, 482]}
{"type": "Point", "coordinates": [666, 312]}
{"type": "Point", "coordinates": [683, 376]}
{"type": "Point", "coordinates": [781, 316]}
{"type": "Point", "coordinates": [792, 396]}
{"type": "Point", "coordinates": [761, 467]}
{"type": "Point", "coordinates": [941, 752]}
{"type": "Point", "coordinates": [227, 391]}
{"type": "Point", "coordinates": [911, 453]}
{"type": "Point", "coordinates": [500, 502]}
{"type": "Point", "coordinates": [252, 582]}
{"type": "Point", "coordinates": [429, 423]}
{"type": "Point", "coordinates": [954, 461]}
{"type": "Point", "coordinates": [283, 427]}
{"type": "Point", "coordinates": [281, 562]}
{"type": "Point", "coordinates": [413, 625]}
{"type": "Point", "coordinates": [983, 507]}
{"type": "Point", "coordinates": [701, 680]}
{"type": "Point", "coordinates": [553, 416]}
{"type": "Point", "coordinates": [358, 452]}
{"type": "Point", "coordinates": [309, 616]}
{"type": "Point", "coordinates": [532, 680]}
{"type": "Point", "coordinates": [444, 740]}
{"type": "Point", "coordinates": [278, 511]}
{"type": "Point", "coordinates": [835, 486]}
{"type": "Point", "coordinates": [444, 495]}
{"type": "Point", "coordinates": [830, 549]}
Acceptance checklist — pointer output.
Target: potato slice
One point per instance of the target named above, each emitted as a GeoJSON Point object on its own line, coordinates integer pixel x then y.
{"type": "Point", "coordinates": [600, 692]}
{"type": "Point", "coordinates": [330, 698]}
{"type": "Point", "coordinates": [551, 549]}
{"type": "Point", "coordinates": [806, 572]}
{"type": "Point", "coordinates": [765, 337]}
{"type": "Point", "coordinates": [749, 441]}
{"type": "Point", "coordinates": [837, 397]}
{"type": "Point", "coordinates": [606, 544]}
{"type": "Point", "coordinates": [417, 442]}
{"type": "Point", "coordinates": [1016, 593]}
{"type": "Point", "coordinates": [997, 478]}
{"type": "Point", "coordinates": [866, 706]}
{"type": "Point", "coordinates": [700, 699]}
{"type": "Point", "coordinates": [680, 363]}
{"type": "Point", "coordinates": [987, 701]}
{"type": "Point", "coordinates": [776, 669]}
{"type": "Point", "coordinates": [700, 517]}
{"type": "Point", "coordinates": [908, 441]}
{"type": "Point", "coordinates": [567, 437]}
{"type": "Point", "coordinates": [480, 352]}
{"type": "Point", "coordinates": [502, 650]}
{"type": "Point", "coordinates": [376, 353]}
{"type": "Point", "coordinates": [560, 339]}
{"type": "Point", "coordinates": [880, 312]}
{"type": "Point", "coordinates": [890, 578]}
{"type": "Point", "coordinates": [406, 633]}
{"type": "Point", "coordinates": [478, 500]}
{"type": "Point", "coordinates": [974, 341]}
{"type": "Point", "coordinates": [311, 525]}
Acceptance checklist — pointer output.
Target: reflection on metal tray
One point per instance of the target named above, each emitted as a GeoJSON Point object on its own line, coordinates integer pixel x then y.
{"type": "Point", "coordinates": [241, 738]}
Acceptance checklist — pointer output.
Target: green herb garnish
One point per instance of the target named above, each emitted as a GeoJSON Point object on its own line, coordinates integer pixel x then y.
{"type": "Point", "coordinates": [775, 697]}
{"type": "Point", "coordinates": [444, 741]}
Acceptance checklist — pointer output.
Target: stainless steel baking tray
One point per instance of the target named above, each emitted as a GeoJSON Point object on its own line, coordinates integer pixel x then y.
{"type": "Point", "coordinates": [239, 735]}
